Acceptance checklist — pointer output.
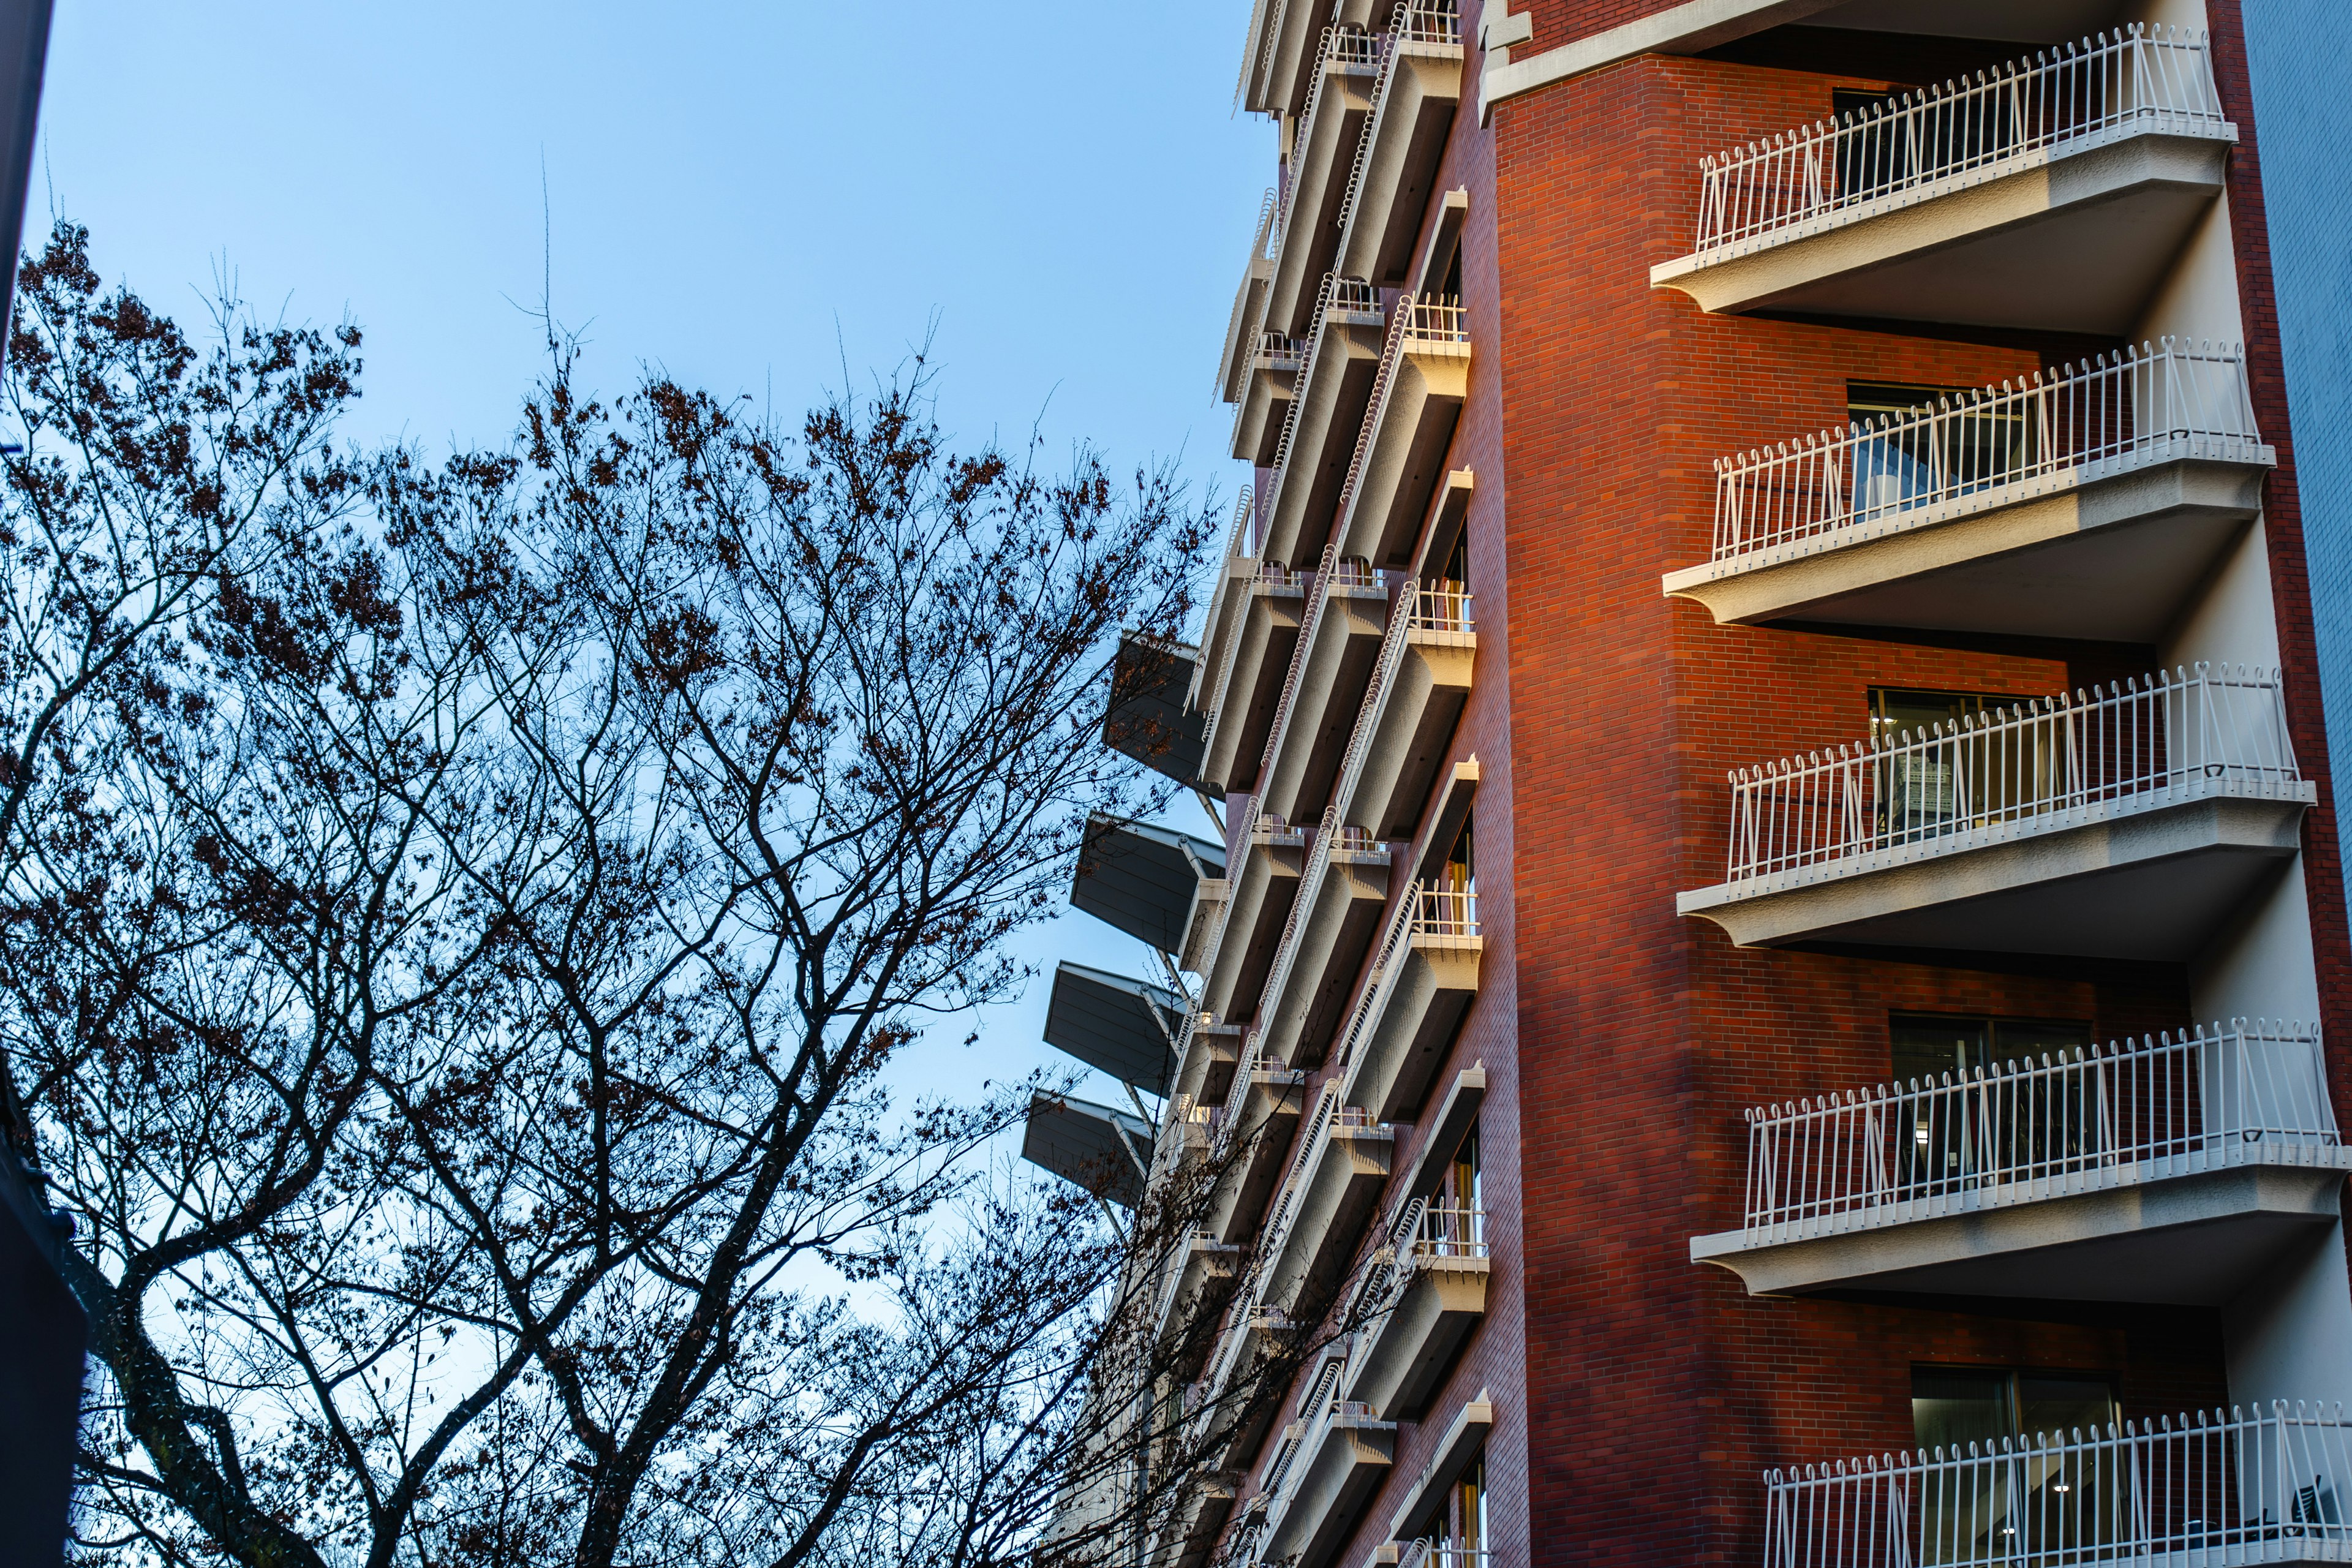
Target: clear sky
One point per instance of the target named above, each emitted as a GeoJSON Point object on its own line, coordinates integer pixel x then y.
{"type": "Point", "coordinates": [748, 195]}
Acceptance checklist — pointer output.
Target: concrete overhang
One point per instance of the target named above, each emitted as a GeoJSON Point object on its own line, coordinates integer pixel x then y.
{"type": "Point", "coordinates": [1405, 732]}
{"type": "Point", "coordinates": [1404, 1351]}
{"type": "Point", "coordinates": [1320, 159]}
{"type": "Point", "coordinates": [1396, 166]}
{"type": "Point", "coordinates": [2147, 877]}
{"type": "Point", "coordinates": [1345, 1461]}
{"type": "Point", "coordinates": [1332, 665]}
{"type": "Point", "coordinates": [1246, 1402]}
{"type": "Point", "coordinates": [1254, 1144]}
{"type": "Point", "coordinates": [1415, 1002]}
{"type": "Point", "coordinates": [1143, 879]}
{"type": "Point", "coordinates": [1121, 1027]}
{"type": "Point", "coordinates": [1249, 305]}
{"type": "Point", "coordinates": [1339, 905]}
{"type": "Point", "coordinates": [1456, 1115]}
{"type": "Point", "coordinates": [1248, 687]}
{"type": "Point", "coordinates": [1322, 1216]}
{"type": "Point", "coordinates": [1198, 1285]}
{"type": "Point", "coordinates": [2074, 237]}
{"type": "Point", "coordinates": [1206, 1071]}
{"type": "Point", "coordinates": [1342, 365]}
{"type": "Point", "coordinates": [2155, 1233]}
{"type": "Point", "coordinates": [1202, 924]}
{"type": "Point", "coordinates": [2106, 552]}
{"type": "Point", "coordinates": [1271, 382]}
{"type": "Point", "coordinates": [1190, 1536]}
{"type": "Point", "coordinates": [1259, 892]}
{"type": "Point", "coordinates": [1279, 54]}
{"type": "Point", "coordinates": [1406, 436]}
{"type": "Point", "coordinates": [1458, 1449]}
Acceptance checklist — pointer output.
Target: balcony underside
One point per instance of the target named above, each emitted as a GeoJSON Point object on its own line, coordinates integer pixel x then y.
{"type": "Point", "coordinates": [1419, 1007]}
{"type": "Point", "coordinates": [1200, 1519]}
{"type": "Point", "coordinates": [1330, 413]}
{"type": "Point", "coordinates": [1262, 649]}
{"type": "Point", "coordinates": [2192, 1239]}
{"type": "Point", "coordinates": [1318, 171]}
{"type": "Point", "coordinates": [1412, 729]}
{"type": "Point", "coordinates": [1336, 1481]}
{"type": "Point", "coordinates": [1341, 648]}
{"type": "Point", "coordinates": [1269, 1121]}
{"type": "Point", "coordinates": [1337, 1194]}
{"type": "Point", "coordinates": [1187, 1333]}
{"type": "Point", "coordinates": [1408, 128]}
{"type": "Point", "coordinates": [1261, 895]}
{"type": "Point", "coordinates": [1207, 1070]}
{"type": "Point", "coordinates": [1333, 932]}
{"type": "Point", "coordinates": [1115, 1025]}
{"type": "Point", "coordinates": [1405, 453]}
{"type": "Point", "coordinates": [2109, 557]}
{"type": "Point", "coordinates": [1266, 399]}
{"type": "Point", "coordinates": [2109, 881]}
{"type": "Point", "coordinates": [1201, 922]}
{"type": "Point", "coordinates": [2074, 242]}
{"type": "Point", "coordinates": [1406, 1351]}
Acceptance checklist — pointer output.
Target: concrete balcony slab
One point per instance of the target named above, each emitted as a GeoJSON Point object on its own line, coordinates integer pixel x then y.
{"type": "Point", "coordinates": [1428, 1305]}
{"type": "Point", "coordinates": [1205, 1069]}
{"type": "Point", "coordinates": [2146, 876]}
{"type": "Point", "coordinates": [1195, 1289]}
{"type": "Point", "coordinates": [1240, 699]}
{"type": "Point", "coordinates": [1322, 155]}
{"type": "Point", "coordinates": [1405, 729]}
{"type": "Point", "coordinates": [1344, 1460]}
{"type": "Point", "coordinates": [1259, 891]}
{"type": "Point", "coordinates": [1339, 913]}
{"type": "Point", "coordinates": [1322, 1215]}
{"type": "Point", "coordinates": [1413, 107]}
{"type": "Point", "coordinates": [1251, 1148]}
{"type": "Point", "coordinates": [1319, 437]}
{"type": "Point", "coordinates": [2073, 237]}
{"type": "Point", "coordinates": [1408, 427]}
{"type": "Point", "coordinates": [1413, 1002]}
{"type": "Point", "coordinates": [1337, 651]}
{"type": "Point", "coordinates": [2109, 551]}
{"type": "Point", "coordinates": [1269, 381]}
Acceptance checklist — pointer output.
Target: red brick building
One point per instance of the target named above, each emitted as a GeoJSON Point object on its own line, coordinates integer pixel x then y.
{"type": "Point", "coordinates": [1782, 900]}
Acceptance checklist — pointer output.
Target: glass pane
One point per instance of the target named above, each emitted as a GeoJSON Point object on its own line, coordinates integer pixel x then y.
{"type": "Point", "coordinates": [1953, 1406]}
{"type": "Point", "coordinates": [1934, 1153]}
{"type": "Point", "coordinates": [1963, 1503]}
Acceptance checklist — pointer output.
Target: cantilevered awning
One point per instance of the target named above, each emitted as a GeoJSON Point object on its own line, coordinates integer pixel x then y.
{"type": "Point", "coordinates": [1102, 1149]}
{"type": "Point", "coordinates": [1147, 718]}
{"type": "Point", "coordinates": [1122, 1027]}
{"type": "Point", "coordinates": [1143, 879]}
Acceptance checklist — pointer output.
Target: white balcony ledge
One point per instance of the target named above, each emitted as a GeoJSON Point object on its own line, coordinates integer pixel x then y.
{"type": "Point", "coordinates": [1252, 1146]}
{"type": "Point", "coordinates": [1240, 697]}
{"type": "Point", "coordinates": [2128, 824]}
{"type": "Point", "coordinates": [1257, 906]}
{"type": "Point", "coordinates": [1320, 157]}
{"type": "Point", "coordinates": [1327, 1201]}
{"type": "Point", "coordinates": [1344, 348]}
{"type": "Point", "coordinates": [2167, 1169]}
{"type": "Point", "coordinates": [1424, 1293]}
{"type": "Point", "coordinates": [1413, 105]}
{"type": "Point", "coordinates": [1263, 404]}
{"type": "Point", "coordinates": [1408, 420]}
{"type": "Point", "coordinates": [1411, 704]}
{"type": "Point", "coordinates": [2052, 196]}
{"type": "Point", "coordinates": [1347, 617]}
{"type": "Point", "coordinates": [1344, 1458]}
{"type": "Point", "coordinates": [1412, 1001]}
{"type": "Point", "coordinates": [1333, 920]}
{"type": "Point", "coordinates": [2099, 534]}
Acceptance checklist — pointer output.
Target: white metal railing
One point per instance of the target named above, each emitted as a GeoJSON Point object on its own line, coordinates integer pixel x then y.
{"type": "Point", "coordinates": [1417, 322]}
{"type": "Point", "coordinates": [2021, 1131]}
{"type": "Point", "coordinates": [1349, 294]}
{"type": "Point", "coordinates": [1261, 251]}
{"type": "Point", "coordinates": [2207, 1490]}
{"type": "Point", "coordinates": [2136, 80]}
{"type": "Point", "coordinates": [1423, 910]}
{"type": "Point", "coordinates": [1334, 576]}
{"type": "Point", "coordinates": [2188, 735]}
{"type": "Point", "coordinates": [1424, 24]}
{"type": "Point", "coordinates": [2153, 404]}
{"type": "Point", "coordinates": [1441, 607]}
{"type": "Point", "coordinates": [1429, 1552]}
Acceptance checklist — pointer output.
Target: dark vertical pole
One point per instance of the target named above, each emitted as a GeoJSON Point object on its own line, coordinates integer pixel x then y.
{"type": "Point", "coordinates": [43, 1334]}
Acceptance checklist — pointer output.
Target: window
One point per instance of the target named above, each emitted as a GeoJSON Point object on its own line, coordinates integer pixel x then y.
{"type": "Point", "coordinates": [1456, 1218]}
{"type": "Point", "coordinates": [1963, 778]}
{"type": "Point", "coordinates": [2017, 1126]}
{"type": "Point", "coordinates": [1970, 447]}
{"type": "Point", "coordinates": [2024, 1502]}
{"type": "Point", "coordinates": [1466, 1515]}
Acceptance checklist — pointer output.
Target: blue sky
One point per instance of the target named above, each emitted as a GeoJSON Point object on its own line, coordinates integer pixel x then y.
{"type": "Point", "coordinates": [749, 196]}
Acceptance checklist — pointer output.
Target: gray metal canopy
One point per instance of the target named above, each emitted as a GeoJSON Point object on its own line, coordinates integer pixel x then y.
{"type": "Point", "coordinates": [1101, 1150]}
{"type": "Point", "coordinates": [1141, 879]}
{"type": "Point", "coordinates": [1121, 1027]}
{"type": "Point", "coordinates": [1146, 717]}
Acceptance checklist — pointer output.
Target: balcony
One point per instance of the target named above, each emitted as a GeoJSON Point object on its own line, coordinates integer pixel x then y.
{"type": "Point", "coordinates": [1413, 103]}
{"type": "Point", "coordinates": [1237, 1392]}
{"type": "Point", "coordinates": [1334, 1466]}
{"type": "Point", "coordinates": [1333, 920]}
{"type": "Point", "coordinates": [2129, 823]}
{"type": "Point", "coordinates": [1327, 1200]}
{"type": "Point", "coordinates": [1322, 150]}
{"type": "Point", "coordinates": [1254, 627]}
{"type": "Point", "coordinates": [2239, 1487]}
{"type": "Point", "coordinates": [1413, 999]}
{"type": "Point", "coordinates": [1411, 704]}
{"type": "Point", "coordinates": [1249, 304]}
{"type": "Point", "coordinates": [1344, 351]}
{"type": "Point", "coordinates": [1279, 52]}
{"type": "Point", "coordinates": [2167, 1170]}
{"type": "Point", "coordinates": [1252, 1144]}
{"type": "Point", "coordinates": [1195, 1286]}
{"type": "Point", "coordinates": [2093, 504]}
{"type": "Point", "coordinates": [1206, 1054]}
{"type": "Point", "coordinates": [1347, 617]}
{"type": "Point", "coordinates": [1408, 420]}
{"type": "Point", "coordinates": [1262, 401]}
{"type": "Point", "coordinates": [1258, 895]}
{"type": "Point", "coordinates": [1424, 1293]}
{"type": "Point", "coordinates": [1187, 1539]}
{"type": "Point", "coordinates": [2051, 195]}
